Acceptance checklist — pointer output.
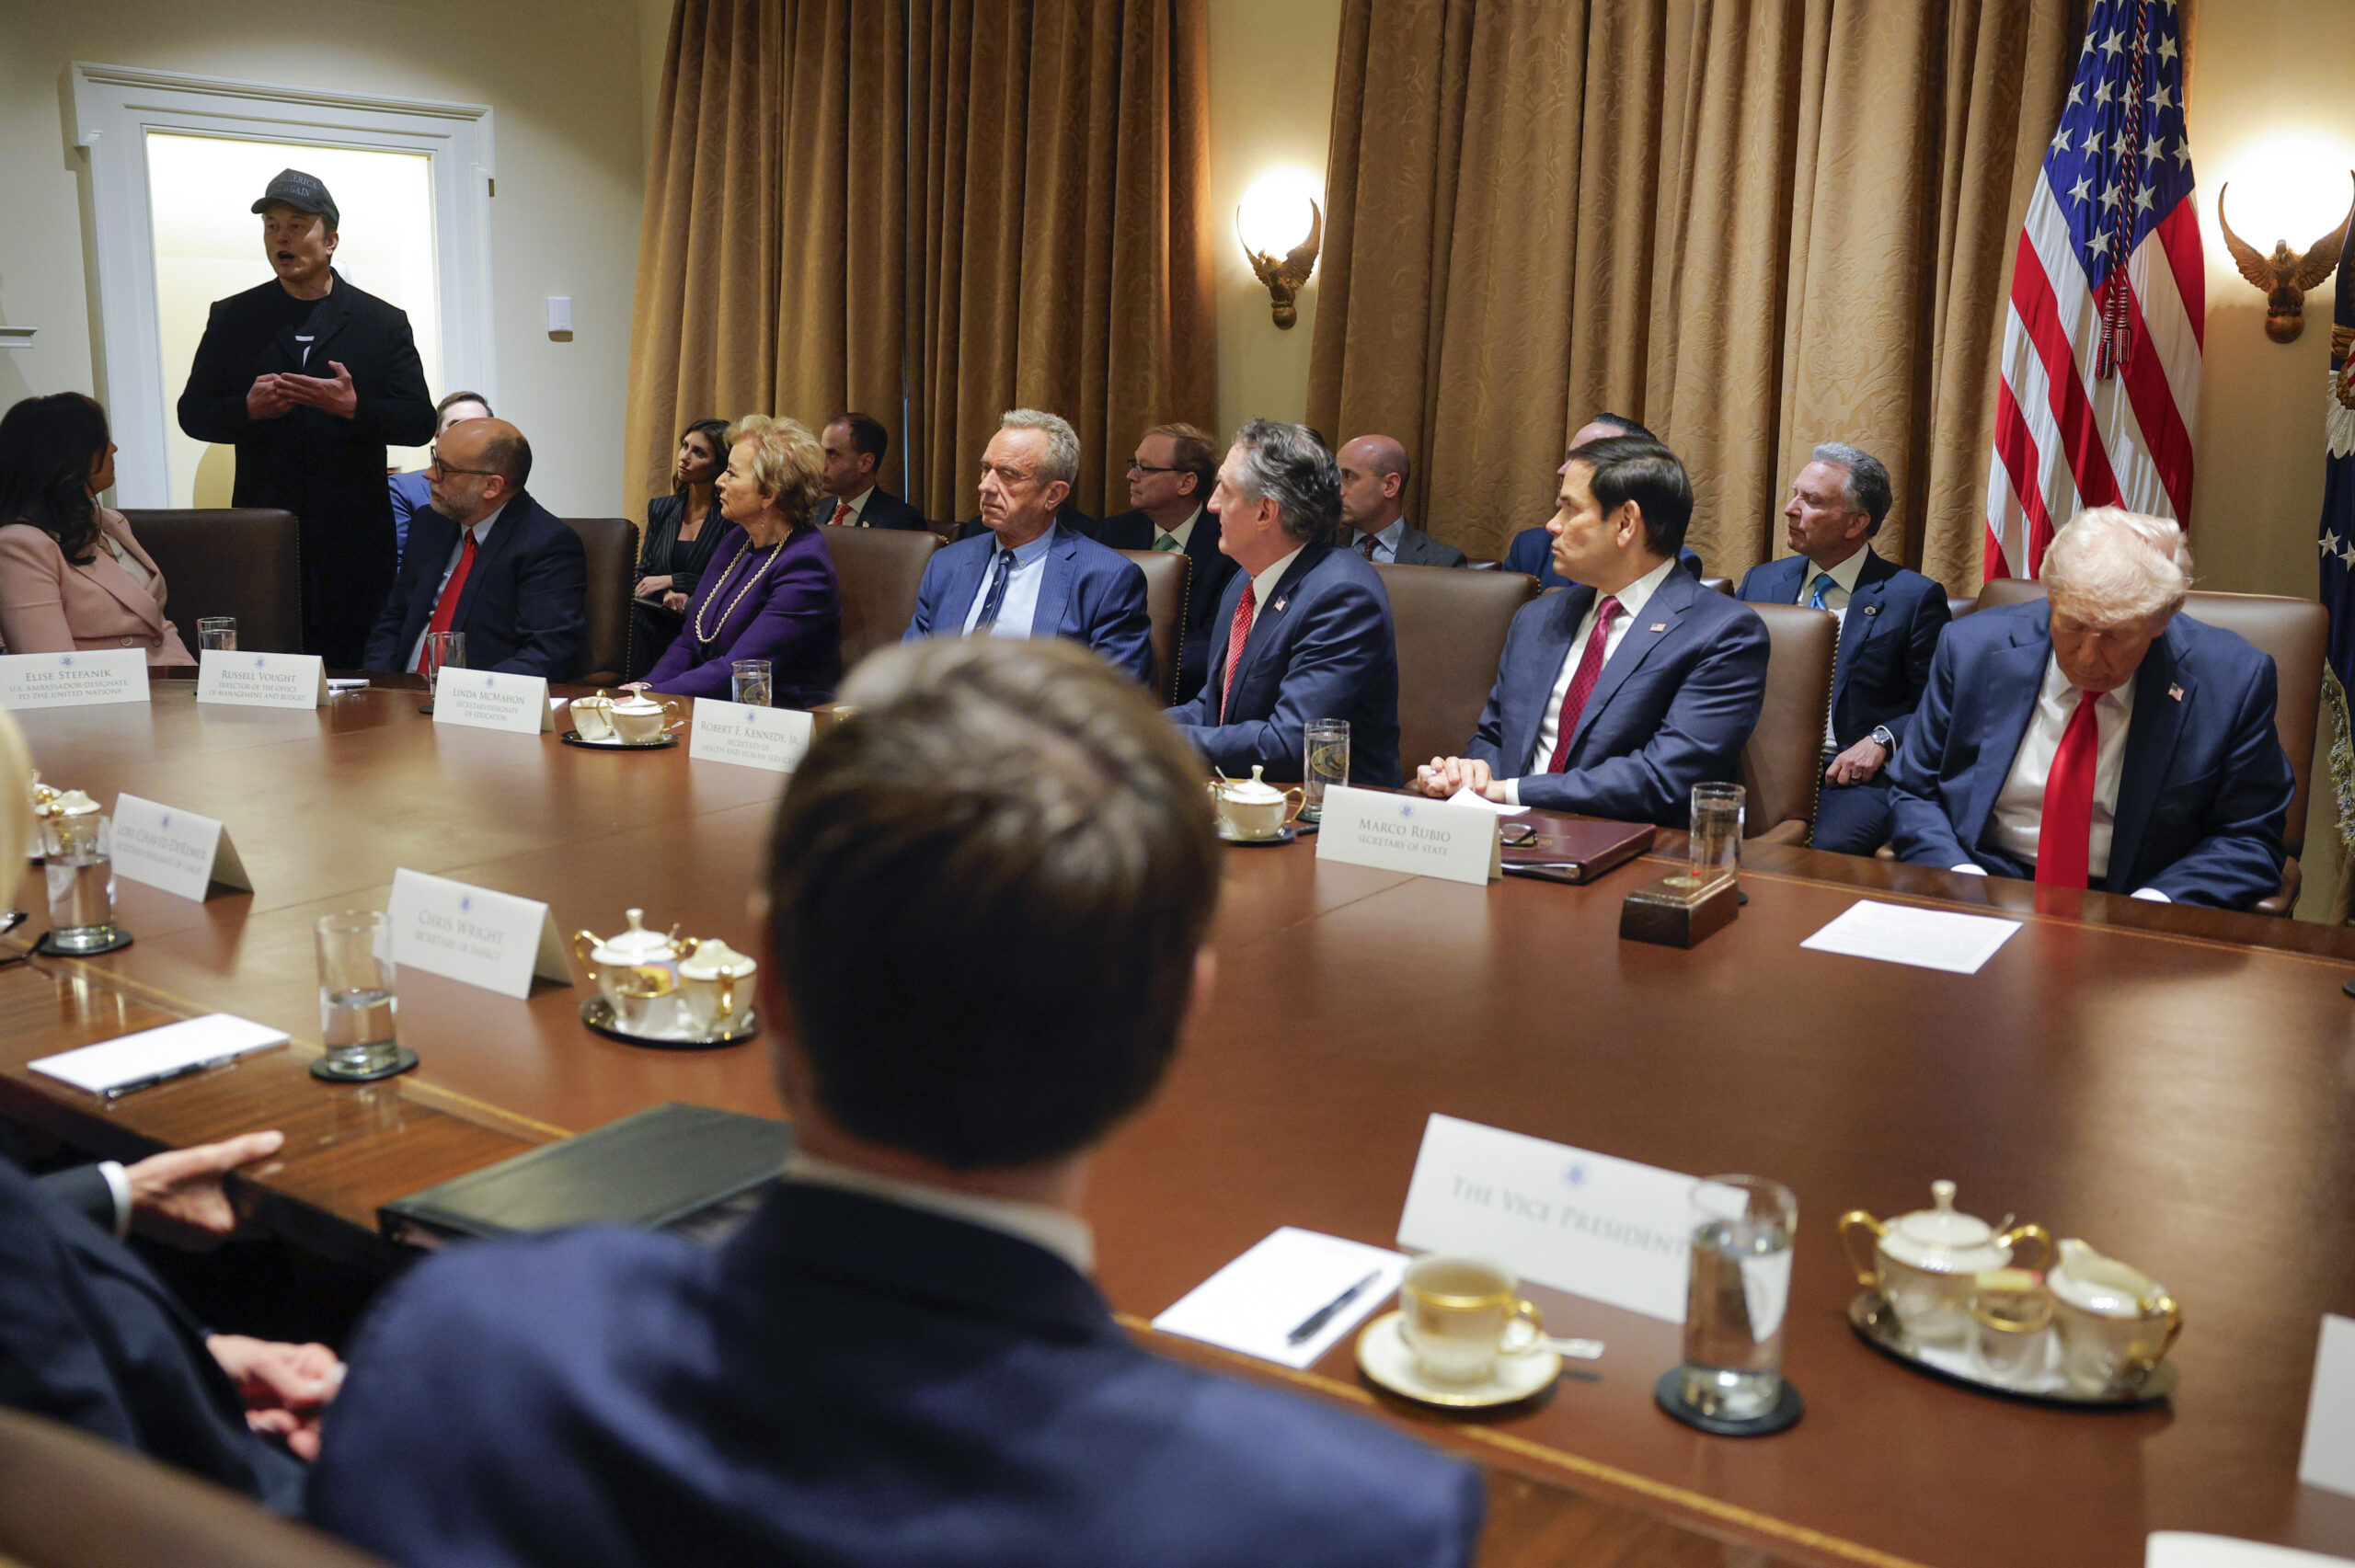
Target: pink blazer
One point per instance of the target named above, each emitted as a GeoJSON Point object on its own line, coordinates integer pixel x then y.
{"type": "Point", "coordinates": [48, 605]}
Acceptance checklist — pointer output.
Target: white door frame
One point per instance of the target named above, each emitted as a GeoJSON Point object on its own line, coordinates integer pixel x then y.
{"type": "Point", "coordinates": [116, 106]}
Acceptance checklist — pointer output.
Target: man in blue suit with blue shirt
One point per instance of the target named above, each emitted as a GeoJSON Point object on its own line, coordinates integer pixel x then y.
{"type": "Point", "coordinates": [1890, 623]}
{"type": "Point", "coordinates": [1615, 698]}
{"type": "Point", "coordinates": [2099, 738]}
{"type": "Point", "coordinates": [901, 1360]}
{"type": "Point", "coordinates": [1302, 630]}
{"type": "Point", "coordinates": [1028, 575]}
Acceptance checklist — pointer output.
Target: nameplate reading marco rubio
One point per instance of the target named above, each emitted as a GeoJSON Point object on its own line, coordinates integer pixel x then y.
{"type": "Point", "coordinates": [773, 738]}
{"type": "Point", "coordinates": [1405, 833]}
{"type": "Point", "coordinates": [73, 680]}
{"type": "Point", "coordinates": [1611, 1229]}
{"type": "Point", "coordinates": [492, 940]}
{"type": "Point", "coordinates": [178, 852]}
{"type": "Point", "coordinates": [261, 679]}
{"type": "Point", "coordinates": [484, 699]}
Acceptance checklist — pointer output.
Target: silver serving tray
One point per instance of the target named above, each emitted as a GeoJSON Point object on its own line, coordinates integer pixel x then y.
{"type": "Point", "coordinates": [598, 1013]}
{"type": "Point", "coordinates": [1876, 1326]}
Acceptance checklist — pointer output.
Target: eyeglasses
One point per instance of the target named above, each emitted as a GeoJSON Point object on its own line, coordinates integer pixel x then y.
{"type": "Point", "coordinates": [1136, 467]}
{"type": "Point", "coordinates": [434, 464]}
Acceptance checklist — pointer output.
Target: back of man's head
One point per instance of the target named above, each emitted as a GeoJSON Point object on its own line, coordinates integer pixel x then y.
{"type": "Point", "coordinates": [988, 889]}
{"type": "Point", "coordinates": [1639, 469]}
{"type": "Point", "coordinates": [1291, 466]}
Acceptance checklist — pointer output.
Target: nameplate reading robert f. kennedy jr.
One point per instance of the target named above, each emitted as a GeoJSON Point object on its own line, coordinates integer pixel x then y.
{"type": "Point", "coordinates": [492, 940]}
{"type": "Point", "coordinates": [1595, 1226]}
{"type": "Point", "coordinates": [261, 679]}
{"type": "Point", "coordinates": [773, 738]}
{"type": "Point", "coordinates": [73, 680]}
{"type": "Point", "coordinates": [1407, 832]}
{"type": "Point", "coordinates": [484, 699]}
{"type": "Point", "coordinates": [176, 851]}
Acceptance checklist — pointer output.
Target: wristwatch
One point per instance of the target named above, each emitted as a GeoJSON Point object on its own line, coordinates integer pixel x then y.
{"type": "Point", "coordinates": [1883, 739]}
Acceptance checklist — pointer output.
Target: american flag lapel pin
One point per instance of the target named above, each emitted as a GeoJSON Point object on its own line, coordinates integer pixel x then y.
{"type": "Point", "coordinates": [1659, 625]}
{"type": "Point", "coordinates": [1278, 607]}
{"type": "Point", "coordinates": [2175, 692]}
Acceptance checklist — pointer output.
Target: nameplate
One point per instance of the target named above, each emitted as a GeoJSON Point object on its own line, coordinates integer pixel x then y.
{"type": "Point", "coordinates": [773, 738]}
{"type": "Point", "coordinates": [1595, 1226]}
{"type": "Point", "coordinates": [2328, 1458]}
{"type": "Point", "coordinates": [1407, 832]}
{"type": "Point", "coordinates": [484, 699]}
{"type": "Point", "coordinates": [261, 679]}
{"type": "Point", "coordinates": [471, 934]}
{"type": "Point", "coordinates": [178, 852]}
{"type": "Point", "coordinates": [73, 680]}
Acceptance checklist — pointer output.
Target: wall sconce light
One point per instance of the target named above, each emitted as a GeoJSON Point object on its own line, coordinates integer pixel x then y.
{"type": "Point", "coordinates": [2283, 277]}
{"type": "Point", "coordinates": [1280, 227]}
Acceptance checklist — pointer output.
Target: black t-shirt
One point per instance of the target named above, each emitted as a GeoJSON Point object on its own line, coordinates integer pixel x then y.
{"type": "Point", "coordinates": [289, 312]}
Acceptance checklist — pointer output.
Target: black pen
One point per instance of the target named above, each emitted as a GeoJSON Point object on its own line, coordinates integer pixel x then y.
{"type": "Point", "coordinates": [1326, 1313]}
{"type": "Point", "coordinates": [118, 1090]}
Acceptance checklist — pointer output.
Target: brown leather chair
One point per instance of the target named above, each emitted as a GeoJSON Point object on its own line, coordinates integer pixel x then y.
{"type": "Point", "coordinates": [2296, 633]}
{"type": "Point", "coordinates": [612, 544]}
{"type": "Point", "coordinates": [69, 1500]}
{"type": "Point", "coordinates": [1782, 766]}
{"type": "Point", "coordinates": [240, 561]}
{"type": "Point", "coordinates": [1719, 585]}
{"type": "Point", "coordinates": [1957, 606]}
{"type": "Point", "coordinates": [877, 571]}
{"type": "Point", "coordinates": [1450, 628]}
{"type": "Point", "coordinates": [1168, 583]}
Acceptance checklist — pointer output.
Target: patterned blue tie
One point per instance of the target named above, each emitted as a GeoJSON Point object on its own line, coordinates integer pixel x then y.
{"type": "Point", "coordinates": [1823, 585]}
{"type": "Point", "coordinates": [996, 601]}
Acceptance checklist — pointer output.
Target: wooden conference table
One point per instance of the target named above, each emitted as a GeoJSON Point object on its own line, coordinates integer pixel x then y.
{"type": "Point", "coordinates": [2178, 1086]}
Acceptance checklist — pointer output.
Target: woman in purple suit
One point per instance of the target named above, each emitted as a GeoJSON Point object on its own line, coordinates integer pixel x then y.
{"type": "Point", "coordinates": [768, 590]}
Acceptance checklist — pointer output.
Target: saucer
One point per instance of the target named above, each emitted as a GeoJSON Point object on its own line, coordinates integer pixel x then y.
{"type": "Point", "coordinates": [573, 737]}
{"type": "Point", "coordinates": [1285, 836]}
{"type": "Point", "coordinates": [1384, 1356]}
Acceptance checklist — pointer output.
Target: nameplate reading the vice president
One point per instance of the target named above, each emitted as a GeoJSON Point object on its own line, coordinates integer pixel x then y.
{"type": "Point", "coordinates": [773, 738]}
{"type": "Point", "coordinates": [492, 940]}
{"type": "Point", "coordinates": [178, 852]}
{"type": "Point", "coordinates": [73, 680]}
{"type": "Point", "coordinates": [1407, 833]}
{"type": "Point", "coordinates": [484, 699]}
{"type": "Point", "coordinates": [261, 679]}
{"type": "Point", "coordinates": [1599, 1227]}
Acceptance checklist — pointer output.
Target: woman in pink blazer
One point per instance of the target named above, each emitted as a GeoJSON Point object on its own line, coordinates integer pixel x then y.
{"type": "Point", "coordinates": [71, 575]}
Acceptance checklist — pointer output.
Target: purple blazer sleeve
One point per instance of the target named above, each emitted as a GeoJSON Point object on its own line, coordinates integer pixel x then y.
{"type": "Point", "coordinates": [792, 618]}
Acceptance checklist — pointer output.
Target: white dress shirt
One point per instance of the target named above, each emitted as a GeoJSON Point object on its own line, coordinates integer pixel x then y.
{"type": "Point", "coordinates": [1021, 606]}
{"type": "Point", "coordinates": [1058, 1231]}
{"type": "Point", "coordinates": [481, 531]}
{"type": "Point", "coordinates": [857, 505]}
{"type": "Point", "coordinates": [1632, 599]}
{"type": "Point", "coordinates": [1183, 533]}
{"type": "Point", "coordinates": [1835, 599]}
{"type": "Point", "coordinates": [1262, 584]}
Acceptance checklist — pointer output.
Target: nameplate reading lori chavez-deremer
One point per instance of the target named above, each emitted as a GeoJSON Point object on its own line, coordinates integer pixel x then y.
{"type": "Point", "coordinates": [484, 699]}
{"type": "Point", "coordinates": [261, 679]}
{"type": "Point", "coordinates": [178, 851]}
{"type": "Point", "coordinates": [492, 940]}
{"type": "Point", "coordinates": [773, 738]}
{"type": "Point", "coordinates": [1407, 832]}
{"type": "Point", "coordinates": [73, 680]}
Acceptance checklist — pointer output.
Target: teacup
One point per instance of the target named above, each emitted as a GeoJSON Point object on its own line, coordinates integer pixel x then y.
{"type": "Point", "coordinates": [1460, 1314]}
{"type": "Point", "coordinates": [640, 720]}
{"type": "Point", "coordinates": [1252, 807]}
{"type": "Point", "coordinates": [715, 988]}
{"type": "Point", "coordinates": [593, 718]}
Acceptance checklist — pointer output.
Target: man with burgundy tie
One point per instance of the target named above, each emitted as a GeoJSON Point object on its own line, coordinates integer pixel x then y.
{"type": "Point", "coordinates": [1374, 474]}
{"type": "Point", "coordinates": [1615, 697]}
{"type": "Point", "coordinates": [854, 444]}
{"type": "Point", "coordinates": [1307, 631]}
{"type": "Point", "coordinates": [487, 560]}
{"type": "Point", "coordinates": [2098, 738]}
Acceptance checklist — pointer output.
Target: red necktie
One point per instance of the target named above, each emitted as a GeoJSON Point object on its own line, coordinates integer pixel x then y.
{"type": "Point", "coordinates": [1590, 670]}
{"type": "Point", "coordinates": [841, 515]}
{"type": "Point", "coordinates": [1239, 632]}
{"type": "Point", "coordinates": [2064, 836]}
{"type": "Point", "coordinates": [445, 609]}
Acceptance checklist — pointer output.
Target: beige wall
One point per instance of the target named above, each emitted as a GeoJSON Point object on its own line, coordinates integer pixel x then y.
{"type": "Point", "coordinates": [563, 76]}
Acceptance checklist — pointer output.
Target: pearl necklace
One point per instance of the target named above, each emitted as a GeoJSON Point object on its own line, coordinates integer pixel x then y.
{"type": "Point", "coordinates": [705, 608]}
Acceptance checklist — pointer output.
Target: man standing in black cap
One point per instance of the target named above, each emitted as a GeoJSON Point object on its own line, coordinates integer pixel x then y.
{"type": "Point", "coordinates": [311, 379]}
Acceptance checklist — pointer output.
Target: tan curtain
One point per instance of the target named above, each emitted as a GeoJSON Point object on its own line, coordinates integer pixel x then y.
{"type": "Point", "coordinates": [1056, 257]}
{"type": "Point", "coordinates": [1753, 224]}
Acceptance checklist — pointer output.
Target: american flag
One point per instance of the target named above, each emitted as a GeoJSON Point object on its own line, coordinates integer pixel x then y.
{"type": "Point", "coordinates": [2101, 351]}
{"type": "Point", "coordinates": [2338, 475]}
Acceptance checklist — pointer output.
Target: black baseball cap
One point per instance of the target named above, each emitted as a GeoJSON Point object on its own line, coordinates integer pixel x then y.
{"type": "Point", "coordinates": [303, 192]}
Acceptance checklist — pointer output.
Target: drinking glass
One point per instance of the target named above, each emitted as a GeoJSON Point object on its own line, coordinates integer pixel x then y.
{"type": "Point", "coordinates": [747, 682]}
{"type": "Point", "coordinates": [79, 865]}
{"type": "Point", "coordinates": [357, 1011]}
{"type": "Point", "coordinates": [1325, 742]}
{"type": "Point", "coordinates": [1738, 1296]}
{"type": "Point", "coordinates": [1715, 842]}
{"type": "Point", "coordinates": [443, 650]}
{"type": "Point", "coordinates": [216, 632]}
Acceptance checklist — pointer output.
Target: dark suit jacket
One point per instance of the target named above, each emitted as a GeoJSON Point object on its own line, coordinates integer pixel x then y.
{"type": "Point", "coordinates": [1321, 646]}
{"type": "Point", "coordinates": [328, 472]}
{"type": "Point", "coordinates": [1212, 567]}
{"type": "Point", "coordinates": [1532, 551]}
{"type": "Point", "coordinates": [791, 614]}
{"type": "Point", "coordinates": [1886, 639]}
{"type": "Point", "coordinates": [525, 606]}
{"type": "Point", "coordinates": [1417, 548]}
{"type": "Point", "coordinates": [1089, 594]}
{"type": "Point", "coordinates": [884, 509]}
{"type": "Point", "coordinates": [2204, 790]}
{"type": "Point", "coordinates": [1673, 708]}
{"type": "Point", "coordinates": [848, 1380]}
{"type": "Point", "coordinates": [1068, 517]}
{"type": "Point", "coordinates": [89, 1338]}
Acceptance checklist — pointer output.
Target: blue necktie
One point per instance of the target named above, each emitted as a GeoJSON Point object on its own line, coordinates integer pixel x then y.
{"type": "Point", "coordinates": [996, 601]}
{"type": "Point", "coordinates": [1823, 585]}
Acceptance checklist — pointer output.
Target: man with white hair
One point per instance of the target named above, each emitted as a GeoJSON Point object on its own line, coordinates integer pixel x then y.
{"type": "Point", "coordinates": [2099, 738]}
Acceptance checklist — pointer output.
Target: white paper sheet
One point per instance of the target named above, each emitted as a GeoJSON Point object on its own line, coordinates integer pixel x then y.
{"type": "Point", "coordinates": [1467, 796]}
{"type": "Point", "coordinates": [114, 1067]}
{"type": "Point", "coordinates": [2328, 1458]}
{"type": "Point", "coordinates": [1899, 934]}
{"type": "Point", "coordinates": [1254, 1303]}
{"type": "Point", "coordinates": [2183, 1549]}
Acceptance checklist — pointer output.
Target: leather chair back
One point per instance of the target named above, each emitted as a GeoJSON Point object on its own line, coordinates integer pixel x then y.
{"type": "Point", "coordinates": [1719, 585]}
{"type": "Point", "coordinates": [241, 561]}
{"type": "Point", "coordinates": [2295, 632]}
{"type": "Point", "coordinates": [1957, 606]}
{"type": "Point", "coordinates": [1450, 627]}
{"type": "Point", "coordinates": [1782, 766]}
{"type": "Point", "coordinates": [1168, 585]}
{"type": "Point", "coordinates": [612, 544]}
{"type": "Point", "coordinates": [69, 1500]}
{"type": "Point", "coordinates": [877, 571]}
